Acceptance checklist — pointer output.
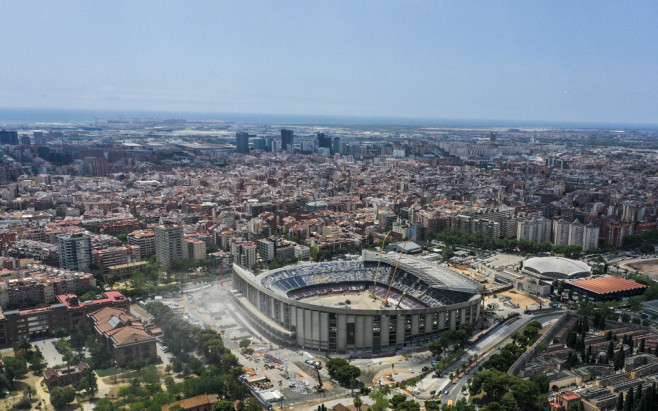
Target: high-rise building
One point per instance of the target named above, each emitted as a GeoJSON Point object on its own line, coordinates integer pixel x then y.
{"type": "Point", "coordinates": [324, 142]}
{"type": "Point", "coordinates": [287, 140]}
{"type": "Point", "coordinates": [145, 240]}
{"type": "Point", "coordinates": [242, 142]}
{"type": "Point", "coordinates": [99, 167]}
{"type": "Point", "coordinates": [534, 229]}
{"type": "Point", "coordinates": [244, 253]}
{"type": "Point", "coordinates": [590, 237]}
{"type": "Point", "coordinates": [335, 145]}
{"type": "Point", "coordinates": [168, 243]}
{"type": "Point", "coordinates": [576, 232]}
{"type": "Point", "coordinates": [493, 136]}
{"type": "Point", "coordinates": [260, 144]}
{"type": "Point", "coordinates": [9, 137]}
{"type": "Point", "coordinates": [74, 251]}
{"type": "Point", "coordinates": [194, 248]}
{"type": "Point", "coordinates": [560, 232]}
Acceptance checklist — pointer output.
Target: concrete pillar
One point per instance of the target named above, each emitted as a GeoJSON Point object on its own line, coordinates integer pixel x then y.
{"type": "Point", "coordinates": [414, 324]}
{"type": "Point", "coordinates": [341, 332]}
{"type": "Point", "coordinates": [384, 332]}
{"type": "Point", "coordinates": [367, 332]}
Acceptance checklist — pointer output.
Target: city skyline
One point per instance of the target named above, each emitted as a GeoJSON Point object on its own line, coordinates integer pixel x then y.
{"type": "Point", "coordinates": [585, 63]}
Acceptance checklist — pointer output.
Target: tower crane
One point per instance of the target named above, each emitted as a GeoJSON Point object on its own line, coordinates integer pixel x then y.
{"type": "Point", "coordinates": [385, 303]}
{"type": "Point", "coordinates": [381, 252]}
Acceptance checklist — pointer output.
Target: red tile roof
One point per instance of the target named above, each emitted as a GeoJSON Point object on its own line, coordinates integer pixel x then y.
{"type": "Point", "coordinates": [607, 285]}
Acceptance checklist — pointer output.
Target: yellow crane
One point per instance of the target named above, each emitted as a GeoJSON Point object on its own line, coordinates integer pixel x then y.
{"type": "Point", "coordinates": [386, 304]}
{"type": "Point", "coordinates": [381, 252]}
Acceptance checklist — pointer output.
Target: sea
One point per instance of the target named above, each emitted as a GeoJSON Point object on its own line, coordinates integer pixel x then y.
{"type": "Point", "coordinates": [17, 116]}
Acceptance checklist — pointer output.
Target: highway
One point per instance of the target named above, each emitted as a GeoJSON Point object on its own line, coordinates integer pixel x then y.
{"type": "Point", "coordinates": [488, 345]}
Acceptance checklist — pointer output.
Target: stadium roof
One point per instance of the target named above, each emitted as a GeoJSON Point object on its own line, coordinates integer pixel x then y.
{"type": "Point", "coordinates": [434, 275]}
{"type": "Point", "coordinates": [558, 266]}
{"type": "Point", "coordinates": [607, 285]}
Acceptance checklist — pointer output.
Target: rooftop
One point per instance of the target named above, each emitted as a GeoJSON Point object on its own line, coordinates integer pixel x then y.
{"type": "Point", "coordinates": [607, 285]}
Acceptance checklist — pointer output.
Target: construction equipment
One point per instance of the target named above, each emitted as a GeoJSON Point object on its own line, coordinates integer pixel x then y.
{"type": "Point", "coordinates": [318, 387]}
{"type": "Point", "coordinates": [401, 297]}
{"type": "Point", "coordinates": [381, 252]}
{"type": "Point", "coordinates": [385, 303]}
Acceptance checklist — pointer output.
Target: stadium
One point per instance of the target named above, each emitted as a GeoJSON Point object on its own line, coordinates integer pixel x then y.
{"type": "Point", "coordinates": [357, 306]}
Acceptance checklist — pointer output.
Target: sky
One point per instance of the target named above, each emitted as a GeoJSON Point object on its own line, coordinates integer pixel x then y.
{"type": "Point", "coordinates": [575, 61]}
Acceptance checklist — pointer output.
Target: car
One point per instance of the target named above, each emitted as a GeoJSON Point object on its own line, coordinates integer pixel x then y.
{"type": "Point", "coordinates": [165, 349]}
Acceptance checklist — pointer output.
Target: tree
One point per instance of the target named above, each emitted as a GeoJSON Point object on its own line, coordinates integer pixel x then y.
{"type": "Point", "coordinates": [380, 400]}
{"type": "Point", "coordinates": [61, 396]}
{"type": "Point", "coordinates": [15, 368]}
{"type": "Point", "coordinates": [509, 403]}
{"type": "Point", "coordinates": [29, 391]}
{"type": "Point", "coordinates": [620, 402]}
{"type": "Point", "coordinates": [89, 384]}
{"type": "Point", "coordinates": [357, 403]}
{"type": "Point", "coordinates": [224, 405]}
{"type": "Point", "coordinates": [436, 348]}
{"type": "Point", "coordinates": [245, 343]}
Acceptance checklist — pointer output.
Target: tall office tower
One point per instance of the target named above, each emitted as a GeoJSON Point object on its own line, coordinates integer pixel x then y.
{"type": "Point", "coordinates": [324, 142]}
{"type": "Point", "coordinates": [74, 251]}
{"type": "Point", "coordinates": [493, 136]}
{"type": "Point", "coordinates": [9, 137]}
{"type": "Point", "coordinates": [242, 142]}
{"type": "Point", "coordinates": [287, 140]}
{"type": "Point", "coordinates": [260, 144]}
{"type": "Point", "coordinates": [168, 243]}
{"type": "Point", "coordinates": [335, 145]}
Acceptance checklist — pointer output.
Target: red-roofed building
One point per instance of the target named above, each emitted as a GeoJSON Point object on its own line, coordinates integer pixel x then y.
{"type": "Point", "coordinates": [65, 376]}
{"type": "Point", "coordinates": [45, 321]}
{"type": "Point", "coordinates": [123, 335]}
{"type": "Point", "coordinates": [606, 288]}
{"type": "Point", "coordinates": [567, 398]}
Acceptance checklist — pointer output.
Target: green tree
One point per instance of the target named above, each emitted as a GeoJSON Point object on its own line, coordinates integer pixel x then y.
{"type": "Point", "coordinates": [357, 403]}
{"type": "Point", "coordinates": [61, 396]}
{"type": "Point", "coordinates": [245, 343]}
{"type": "Point", "coordinates": [620, 402]}
{"type": "Point", "coordinates": [15, 368]}
{"type": "Point", "coordinates": [89, 384]}
{"type": "Point", "coordinates": [224, 405]}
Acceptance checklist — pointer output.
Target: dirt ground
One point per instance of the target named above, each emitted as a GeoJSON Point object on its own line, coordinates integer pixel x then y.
{"type": "Point", "coordinates": [647, 267]}
{"type": "Point", "coordinates": [521, 298]}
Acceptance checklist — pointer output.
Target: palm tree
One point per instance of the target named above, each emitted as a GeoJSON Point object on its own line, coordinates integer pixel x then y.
{"type": "Point", "coordinates": [29, 391]}
{"type": "Point", "coordinates": [357, 403]}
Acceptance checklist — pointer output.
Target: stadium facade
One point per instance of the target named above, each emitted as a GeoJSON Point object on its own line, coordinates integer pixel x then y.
{"type": "Point", "coordinates": [435, 299]}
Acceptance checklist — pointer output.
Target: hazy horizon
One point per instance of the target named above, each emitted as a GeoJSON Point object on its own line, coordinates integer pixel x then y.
{"type": "Point", "coordinates": [17, 116]}
{"type": "Point", "coordinates": [590, 62]}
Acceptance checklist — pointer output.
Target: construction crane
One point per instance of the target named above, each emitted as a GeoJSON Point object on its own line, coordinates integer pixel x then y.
{"type": "Point", "coordinates": [401, 297]}
{"type": "Point", "coordinates": [385, 303]}
{"type": "Point", "coordinates": [318, 387]}
{"type": "Point", "coordinates": [381, 252]}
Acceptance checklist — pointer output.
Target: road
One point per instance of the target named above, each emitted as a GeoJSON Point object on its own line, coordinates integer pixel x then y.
{"type": "Point", "coordinates": [487, 345]}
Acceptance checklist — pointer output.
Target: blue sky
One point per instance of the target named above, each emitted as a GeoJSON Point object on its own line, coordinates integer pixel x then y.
{"type": "Point", "coordinates": [591, 61]}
